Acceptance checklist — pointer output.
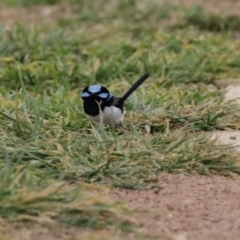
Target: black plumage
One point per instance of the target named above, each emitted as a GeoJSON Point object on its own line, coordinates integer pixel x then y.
{"type": "Point", "coordinates": [96, 97]}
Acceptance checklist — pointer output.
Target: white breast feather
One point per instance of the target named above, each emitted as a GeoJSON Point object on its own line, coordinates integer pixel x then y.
{"type": "Point", "coordinates": [110, 115]}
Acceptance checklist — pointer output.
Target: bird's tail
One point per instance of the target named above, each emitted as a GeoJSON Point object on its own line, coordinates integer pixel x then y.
{"type": "Point", "coordinates": [134, 87]}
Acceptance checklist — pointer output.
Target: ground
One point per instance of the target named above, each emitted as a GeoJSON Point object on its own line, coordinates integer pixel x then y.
{"type": "Point", "coordinates": [189, 202]}
{"type": "Point", "coordinates": [188, 207]}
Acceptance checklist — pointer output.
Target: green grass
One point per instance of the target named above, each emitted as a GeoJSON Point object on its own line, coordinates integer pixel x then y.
{"type": "Point", "coordinates": [53, 160]}
{"type": "Point", "coordinates": [200, 18]}
{"type": "Point", "coordinates": [23, 3]}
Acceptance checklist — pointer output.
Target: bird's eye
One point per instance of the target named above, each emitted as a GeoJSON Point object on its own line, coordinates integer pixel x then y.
{"type": "Point", "coordinates": [85, 94]}
{"type": "Point", "coordinates": [103, 95]}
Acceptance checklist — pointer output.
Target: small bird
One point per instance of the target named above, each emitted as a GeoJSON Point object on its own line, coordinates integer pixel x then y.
{"type": "Point", "coordinates": [97, 99]}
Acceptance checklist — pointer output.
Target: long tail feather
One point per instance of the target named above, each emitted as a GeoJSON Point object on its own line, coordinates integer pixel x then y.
{"type": "Point", "coordinates": [134, 87]}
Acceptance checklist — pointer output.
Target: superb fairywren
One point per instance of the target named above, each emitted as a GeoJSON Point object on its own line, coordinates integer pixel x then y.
{"type": "Point", "coordinates": [97, 98]}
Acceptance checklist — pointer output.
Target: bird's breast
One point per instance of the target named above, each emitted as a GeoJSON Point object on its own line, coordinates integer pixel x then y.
{"type": "Point", "coordinates": [110, 115]}
{"type": "Point", "coordinates": [91, 106]}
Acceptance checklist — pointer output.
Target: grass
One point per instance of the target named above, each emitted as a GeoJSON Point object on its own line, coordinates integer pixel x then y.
{"type": "Point", "coordinates": [24, 3]}
{"type": "Point", "coordinates": [197, 16]}
{"type": "Point", "coordinates": [55, 166]}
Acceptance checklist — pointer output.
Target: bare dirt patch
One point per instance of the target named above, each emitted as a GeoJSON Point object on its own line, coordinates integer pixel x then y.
{"type": "Point", "coordinates": [52, 232]}
{"type": "Point", "coordinates": [230, 137]}
{"type": "Point", "coordinates": [188, 207]}
{"type": "Point", "coordinates": [233, 92]}
{"type": "Point", "coordinates": [35, 14]}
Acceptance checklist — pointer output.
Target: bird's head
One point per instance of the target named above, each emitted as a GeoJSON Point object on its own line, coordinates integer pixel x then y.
{"type": "Point", "coordinates": [96, 92]}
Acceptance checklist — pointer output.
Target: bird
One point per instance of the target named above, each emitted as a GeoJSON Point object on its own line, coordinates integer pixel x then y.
{"type": "Point", "coordinates": [97, 102]}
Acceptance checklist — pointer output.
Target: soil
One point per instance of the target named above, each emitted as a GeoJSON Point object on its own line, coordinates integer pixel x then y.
{"type": "Point", "coordinates": [188, 207]}
{"type": "Point", "coordinates": [34, 14]}
{"type": "Point", "coordinates": [230, 137]}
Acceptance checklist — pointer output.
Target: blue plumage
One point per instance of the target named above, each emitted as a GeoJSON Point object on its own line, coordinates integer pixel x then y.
{"type": "Point", "coordinates": [110, 96]}
{"type": "Point", "coordinates": [97, 91]}
{"type": "Point", "coordinates": [85, 94]}
{"type": "Point", "coordinates": [94, 88]}
{"type": "Point", "coordinates": [103, 95]}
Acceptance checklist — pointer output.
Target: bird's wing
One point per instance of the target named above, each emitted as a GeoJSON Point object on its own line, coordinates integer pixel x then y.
{"type": "Point", "coordinates": [115, 101]}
